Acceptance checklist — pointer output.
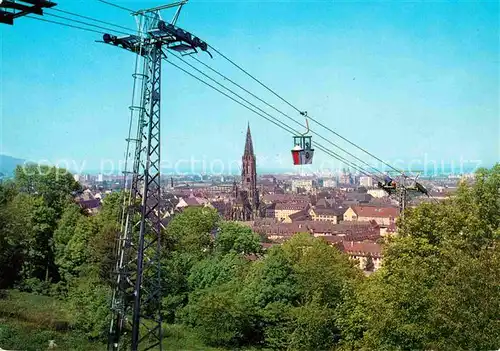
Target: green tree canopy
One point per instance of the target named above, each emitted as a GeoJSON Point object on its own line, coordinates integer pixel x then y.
{"type": "Point", "coordinates": [54, 185]}
{"type": "Point", "coordinates": [286, 299]}
{"type": "Point", "coordinates": [190, 231]}
{"type": "Point", "coordinates": [233, 237]}
{"type": "Point", "coordinates": [438, 286]}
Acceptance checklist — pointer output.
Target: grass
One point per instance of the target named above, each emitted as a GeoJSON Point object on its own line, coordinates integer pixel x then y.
{"type": "Point", "coordinates": [17, 336]}
{"type": "Point", "coordinates": [178, 337]}
{"type": "Point", "coordinates": [34, 309]}
{"type": "Point", "coordinates": [29, 321]}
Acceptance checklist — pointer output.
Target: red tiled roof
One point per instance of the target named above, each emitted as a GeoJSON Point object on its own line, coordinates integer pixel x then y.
{"type": "Point", "coordinates": [299, 216]}
{"type": "Point", "coordinates": [363, 248]}
{"type": "Point", "coordinates": [291, 206]}
{"type": "Point", "coordinates": [352, 230]}
{"type": "Point", "coordinates": [285, 198]}
{"type": "Point", "coordinates": [325, 202]}
{"type": "Point", "coordinates": [332, 239]}
{"type": "Point", "coordinates": [329, 211]}
{"type": "Point", "coordinates": [372, 211]}
{"type": "Point", "coordinates": [193, 201]}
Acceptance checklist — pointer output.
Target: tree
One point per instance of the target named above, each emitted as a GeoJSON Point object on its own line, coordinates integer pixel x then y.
{"type": "Point", "coordinates": [321, 270]}
{"type": "Point", "coordinates": [397, 302]}
{"type": "Point", "coordinates": [271, 280]}
{"type": "Point", "coordinates": [30, 207]}
{"type": "Point", "coordinates": [290, 285]}
{"type": "Point", "coordinates": [217, 271]}
{"type": "Point", "coordinates": [318, 273]}
{"type": "Point", "coordinates": [312, 327]}
{"type": "Point", "coordinates": [175, 271]}
{"type": "Point", "coordinates": [76, 255]}
{"type": "Point", "coordinates": [8, 191]}
{"type": "Point", "coordinates": [89, 302]}
{"type": "Point", "coordinates": [466, 302]}
{"type": "Point", "coordinates": [54, 185]}
{"type": "Point", "coordinates": [102, 245]}
{"type": "Point", "coordinates": [438, 286]}
{"type": "Point", "coordinates": [64, 234]}
{"type": "Point", "coordinates": [351, 314]}
{"type": "Point", "coordinates": [236, 238]}
{"type": "Point", "coordinates": [190, 231]}
{"type": "Point", "coordinates": [220, 316]}
{"type": "Point", "coordinates": [469, 221]}
{"type": "Point", "coordinates": [12, 233]}
{"type": "Point", "coordinates": [27, 238]}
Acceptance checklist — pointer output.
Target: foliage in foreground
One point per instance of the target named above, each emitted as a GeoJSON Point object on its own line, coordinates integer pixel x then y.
{"type": "Point", "coordinates": [29, 321]}
{"type": "Point", "coordinates": [438, 287]}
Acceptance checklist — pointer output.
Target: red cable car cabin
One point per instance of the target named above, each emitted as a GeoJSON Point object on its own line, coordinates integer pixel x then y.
{"type": "Point", "coordinates": [302, 153]}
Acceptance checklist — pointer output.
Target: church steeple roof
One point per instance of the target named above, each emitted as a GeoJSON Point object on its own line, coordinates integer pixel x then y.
{"type": "Point", "coordinates": [248, 142]}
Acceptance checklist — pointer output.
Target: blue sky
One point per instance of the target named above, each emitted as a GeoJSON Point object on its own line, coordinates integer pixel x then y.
{"type": "Point", "coordinates": [406, 80]}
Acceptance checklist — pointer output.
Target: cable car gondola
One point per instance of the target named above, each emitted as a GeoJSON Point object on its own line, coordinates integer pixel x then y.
{"type": "Point", "coordinates": [302, 152]}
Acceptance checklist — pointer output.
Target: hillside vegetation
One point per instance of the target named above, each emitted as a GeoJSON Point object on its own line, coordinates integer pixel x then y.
{"type": "Point", "coordinates": [437, 288]}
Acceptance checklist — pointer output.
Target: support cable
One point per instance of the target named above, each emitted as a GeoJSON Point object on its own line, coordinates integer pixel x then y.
{"type": "Point", "coordinates": [280, 97]}
{"type": "Point", "coordinates": [91, 19]}
{"type": "Point", "coordinates": [273, 120]}
{"type": "Point", "coordinates": [238, 85]}
{"type": "Point", "coordinates": [279, 111]}
{"type": "Point", "coordinates": [65, 24]}
{"type": "Point", "coordinates": [85, 23]}
{"type": "Point", "coordinates": [115, 5]}
{"type": "Point", "coordinates": [311, 118]}
{"type": "Point", "coordinates": [289, 130]}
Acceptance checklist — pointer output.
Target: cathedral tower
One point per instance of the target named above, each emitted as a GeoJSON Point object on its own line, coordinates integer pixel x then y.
{"type": "Point", "coordinates": [249, 174]}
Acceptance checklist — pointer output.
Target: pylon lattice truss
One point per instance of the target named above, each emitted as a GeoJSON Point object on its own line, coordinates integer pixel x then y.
{"type": "Point", "coordinates": [136, 300]}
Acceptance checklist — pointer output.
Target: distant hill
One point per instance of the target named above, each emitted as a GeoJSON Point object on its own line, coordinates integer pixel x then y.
{"type": "Point", "coordinates": [8, 164]}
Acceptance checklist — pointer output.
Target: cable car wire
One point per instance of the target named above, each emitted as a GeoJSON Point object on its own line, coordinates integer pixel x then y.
{"type": "Point", "coordinates": [272, 120]}
{"type": "Point", "coordinates": [91, 19]}
{"type": "Point", "coordinates": [296, 109]}
{"type": "Point", "coordinates": [285, 115]}
{"type": "Point", "coordinates": [85, 23]}
{"type": "Point", "coordinates": [278, 96]}
{"type": "Point", "coordinates": [64, 24]}
{"type": "Point", "coordinates": [115, 5]}
{"type": "Point", "coordinates": [226, 88]}
{"type": "Point", "coordinates": [132, 12]}
{"type": "Point", "coordinates": [289, 130]}
{"type": "Point", "coordinates": [332, 154]}
{"type": "Point", "coordinates": [225, 77]}
{"type": "Point", "coordinates": [279, 124]}
{"type": "Point", "coordinates": [253, 105]}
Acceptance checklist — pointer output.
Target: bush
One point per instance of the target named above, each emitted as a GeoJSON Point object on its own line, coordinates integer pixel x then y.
{"type": "Point", "coordinates": [89, 304]}
{"type": "Point", "coordinates": [17, 337]}
{"type": "Point", "coordinates": [35, 285]}
{"type": "Point", "coordinates": [219, 316]}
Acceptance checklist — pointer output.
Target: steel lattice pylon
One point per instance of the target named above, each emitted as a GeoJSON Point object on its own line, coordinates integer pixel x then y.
{"type": "Point", "coordinates": [139, 248]}
{"type": "Point", "coordinates": [136, 300]}
{"type": "Point", "coordinates": [406, 187]}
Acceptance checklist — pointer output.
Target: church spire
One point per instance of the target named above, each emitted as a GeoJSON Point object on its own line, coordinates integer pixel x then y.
{"type": "Point", "coordinates": [248, 142]}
